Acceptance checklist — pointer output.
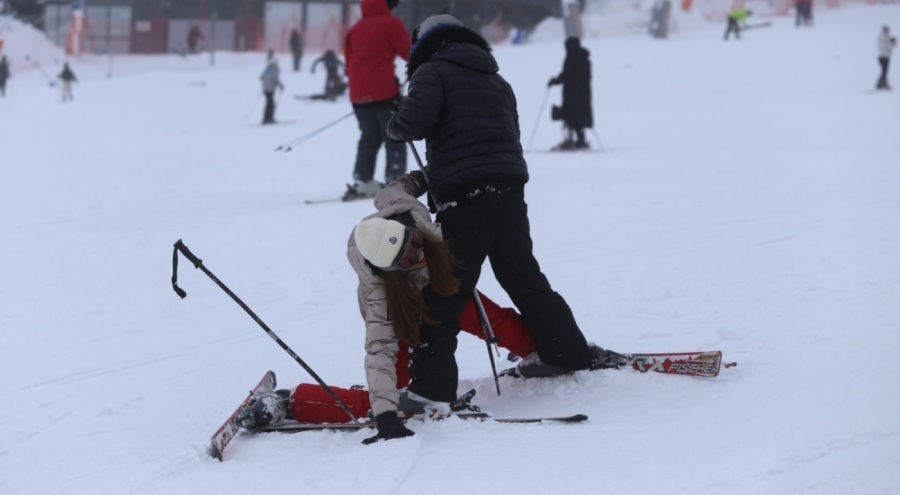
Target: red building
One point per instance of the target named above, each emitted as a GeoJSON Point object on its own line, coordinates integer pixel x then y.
{"type": "Point", "coordinates": [163, 26]}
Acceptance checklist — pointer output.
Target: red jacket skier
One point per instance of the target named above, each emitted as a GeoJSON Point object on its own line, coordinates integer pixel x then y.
{"type": "Point", "coordinates": [370, 48]}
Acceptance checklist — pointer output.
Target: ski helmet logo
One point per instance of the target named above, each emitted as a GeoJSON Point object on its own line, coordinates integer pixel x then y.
{"type": "Point", "coordinates": [392, 239]}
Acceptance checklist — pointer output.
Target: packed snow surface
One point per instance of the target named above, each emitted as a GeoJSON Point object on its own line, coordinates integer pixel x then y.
{"type": "Point", "coordinates": [746, 200]}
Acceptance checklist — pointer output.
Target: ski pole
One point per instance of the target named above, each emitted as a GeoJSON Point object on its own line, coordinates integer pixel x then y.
{"type": "Point", "coordinates": [306, 137]}
{"type": "Point", "coordinates": [489, 337]}
{"type": "Point", "coordinates": [198, 263]}
{"type": "Point", "coordinates": [253, 106]}
{"type": "Point", "coordinates": [50, 81]}
{"type": "Point", "coordinates": [597, 136]}
{"type": "Point", "coordinates": [538, 121]}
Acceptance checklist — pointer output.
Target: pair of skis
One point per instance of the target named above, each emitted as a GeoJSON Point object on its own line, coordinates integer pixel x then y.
{"type": "Point", "coordinates": [697, 364]}
{"type": "Point", "coordinates": [223, 436]}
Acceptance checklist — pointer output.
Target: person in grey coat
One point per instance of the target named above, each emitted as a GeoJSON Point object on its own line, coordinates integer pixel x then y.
{"type": "Point", "coordinates": [270, 82]}
{"type": "Point", "coordinates": [886, 44]}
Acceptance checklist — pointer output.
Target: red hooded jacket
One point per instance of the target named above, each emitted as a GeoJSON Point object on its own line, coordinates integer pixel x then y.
{"type": "Point", "coordinates": [370, 48]}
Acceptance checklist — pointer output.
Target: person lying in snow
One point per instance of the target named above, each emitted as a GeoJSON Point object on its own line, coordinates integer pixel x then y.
{"type": "Point", "coordinates": [398, 254]}
{"type": "Point", "coordinates": [310, 403]}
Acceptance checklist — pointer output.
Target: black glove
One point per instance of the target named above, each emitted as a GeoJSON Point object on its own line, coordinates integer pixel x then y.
{"type": "Point", "coordinates": [395, 103]}
{"type": "Point", "coordinates": [414, 183]}
{"type": "Point", "coordinates": [395, 107]}
{"type": "Point", "coordinates": [552, 82]}
{"type": "Point", "coordinates": [389, 428]}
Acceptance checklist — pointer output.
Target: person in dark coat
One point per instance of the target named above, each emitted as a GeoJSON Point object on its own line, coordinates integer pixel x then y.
{"type": "Point", "coordinates": [4, 75]}
{"type": "Point", "coordinates": [195, 36]}
{"type": "Point", "coordinates": [296, 43]}
{"type": "Point", "coordinates": [67, 77]}
{"type": "Point", "coordinates": [804, 12]}
{"type": "Point", "coordinates": [334, 85]}
{"type": "Point", "coordinates": [576, 112]}
{"type": "Point", "coordinates": [467, 114]}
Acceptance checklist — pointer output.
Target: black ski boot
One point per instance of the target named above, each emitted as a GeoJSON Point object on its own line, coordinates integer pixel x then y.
{"type": "Point", "coordinates": [266, 409]}
{"type": "Point", "coordinates": [409, 406]}
{"type": "Point", "coordinates": [531, 366]}
{"type": "Point", "coordinates": [566, 145]}
{"type": "Point", "coordinates": [362, 190]}
{"type": "Point", "coordinates": [602, 359]}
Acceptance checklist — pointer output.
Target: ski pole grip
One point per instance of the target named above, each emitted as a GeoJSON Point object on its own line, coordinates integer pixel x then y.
{"type": "Point", "coordinates": [188, 254]}
{"type": "Point", "coordinates": [179, 246]}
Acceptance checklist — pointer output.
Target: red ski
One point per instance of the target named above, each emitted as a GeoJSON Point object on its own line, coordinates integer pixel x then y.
{"type": "Point", "coordinates": [705, 364]}
{"type": "Point", "coordinates": [230, 428]}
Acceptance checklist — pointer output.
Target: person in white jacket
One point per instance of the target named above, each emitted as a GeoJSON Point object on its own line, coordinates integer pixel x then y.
{"type": "Point", "coordinates": [886, 44]}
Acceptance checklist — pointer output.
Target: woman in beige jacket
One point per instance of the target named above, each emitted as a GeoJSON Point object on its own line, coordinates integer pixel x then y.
{"type": "Point", "coordinates": [398, 253]}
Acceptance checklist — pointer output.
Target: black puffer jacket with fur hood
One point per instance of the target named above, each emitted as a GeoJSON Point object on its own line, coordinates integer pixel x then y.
{"type": "Point", "coordinates": [465, 111]}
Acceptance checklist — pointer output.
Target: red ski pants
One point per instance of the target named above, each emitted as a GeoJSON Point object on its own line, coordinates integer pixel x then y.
{"type": "Point", "coordinates": [311, 403]}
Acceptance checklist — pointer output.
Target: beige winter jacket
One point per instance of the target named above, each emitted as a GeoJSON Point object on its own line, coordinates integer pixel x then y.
{"type": "Point", "coordinates": [381, 342]}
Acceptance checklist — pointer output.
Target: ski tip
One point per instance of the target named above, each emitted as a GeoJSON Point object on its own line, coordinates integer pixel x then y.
{"type": "Point", "coordinates": [214, 452]}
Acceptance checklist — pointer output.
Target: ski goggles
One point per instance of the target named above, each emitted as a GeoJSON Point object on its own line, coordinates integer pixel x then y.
{"type": "Point", "coordinates": [412, 251]}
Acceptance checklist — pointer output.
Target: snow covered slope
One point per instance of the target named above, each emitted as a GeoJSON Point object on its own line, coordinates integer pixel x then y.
{"type": "Point", "coordinates": [747, 201]}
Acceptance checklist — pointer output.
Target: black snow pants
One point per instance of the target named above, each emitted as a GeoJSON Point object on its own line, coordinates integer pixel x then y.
{"type": "Point", "coordinates": [494, 226]}
{"type": "Point", "coordinates": [733, 27]}
{"type": "Point", "coordinates": [269, 110]}
{"type": "Point", "coordinates": [882, 80]}
{"type": "Point", "coordinates": [373, 118]}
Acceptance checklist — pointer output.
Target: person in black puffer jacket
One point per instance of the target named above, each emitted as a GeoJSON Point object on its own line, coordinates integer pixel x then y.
{"type": "Point", "coordinates": [466, 112]}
